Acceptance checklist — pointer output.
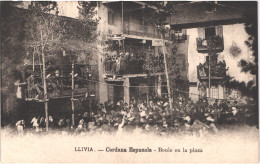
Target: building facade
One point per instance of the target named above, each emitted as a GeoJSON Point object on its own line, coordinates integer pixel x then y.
{"type": "Point", "coordinates": [127, 41]}
{"type": "Point", "coordinates": [123, 72]}
{"type": "Point", "coordinates": [212, 30]}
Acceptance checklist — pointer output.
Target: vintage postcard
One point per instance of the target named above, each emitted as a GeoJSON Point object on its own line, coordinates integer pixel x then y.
{"type": "Point", "coordinates": [129, 82]}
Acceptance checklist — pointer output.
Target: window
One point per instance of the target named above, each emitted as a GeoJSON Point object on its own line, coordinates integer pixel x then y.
{"type": "Point", "coordinates": [164, 88]}
{"type": "Point", "coordinates": [110, 17]}
{"type": "Point", "coordinates": [179, 35]}
{"type": "Point", "coordinates": [214, 92]}
{"type": "Point", "coordinates": [210, 31]}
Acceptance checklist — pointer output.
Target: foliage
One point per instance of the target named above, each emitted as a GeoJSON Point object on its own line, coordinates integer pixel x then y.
{"type": "Point", "coordinates": [152, 64]}
{"type": "Point", "coordinates": [87, 12]}
{"type": "Point", "coordinates": [11, 49]}
{"type": "Point", "coordinates": [252, 42]}
{"type": "Point", "coordinates": [173, 67]}
{"type": "Point", "coordinates": [158, 19]}
{"type": "Point", "coordinates": [59, 33]}
{"type": "Point", "coordinates": [250, 89]}
{"type": "Point", "coordinates": [246, 89]}
{"type": "Point", "coordinates": [21, 37]}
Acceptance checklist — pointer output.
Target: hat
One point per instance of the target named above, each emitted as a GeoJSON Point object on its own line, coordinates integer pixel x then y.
{"type": "Point", "coordinates": [143, 120]}
{"type": "Point", "coordinates": [187, 118]}
{"type": "Point", "coordinates": [147, 127]}
{"type": "Point", "coordinates": [209, 118]}
{"type": "Point", "coordinates": [165, 104]}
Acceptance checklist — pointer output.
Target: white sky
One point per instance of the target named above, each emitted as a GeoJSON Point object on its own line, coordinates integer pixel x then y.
{"type": "Point", "coordinates": [68, 8]}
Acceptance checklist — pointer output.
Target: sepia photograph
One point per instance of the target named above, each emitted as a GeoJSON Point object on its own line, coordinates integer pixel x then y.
{"type": "Point", "coordinates": [129, 82]}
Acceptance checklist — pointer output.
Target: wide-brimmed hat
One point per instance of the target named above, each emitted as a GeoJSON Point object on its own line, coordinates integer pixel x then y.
{"type": "Point", "coordinates": [165, 104]}
{"type": "Point", "coordinates": [209, 118]}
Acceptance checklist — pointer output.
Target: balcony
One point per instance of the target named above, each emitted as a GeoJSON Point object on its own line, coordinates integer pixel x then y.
{"type": "Point", "coordinates": [179, 38]}
{"type": "Point", "coordinates": [59, 84]}
{"type": "Point", "coordinates": [142, 33]}
{"type": "Point", "coordinates": [217, 71]}
{"type": "Point", "coordinates": [140, 30]}
{"type": "Point", "coordinates": [217, 44]}
{"type": "Point", "coordinates": [132, 65]}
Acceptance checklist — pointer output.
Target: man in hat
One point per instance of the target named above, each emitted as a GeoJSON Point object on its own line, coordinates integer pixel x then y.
{"type": "Point", "coordinates": [51, 122]}
{"type": "Point", "coordinates": [80, 125]}
{"type": "Point", "coordinates": [20, 125]}
{"type": "Point", "coordinates": [35, 124]}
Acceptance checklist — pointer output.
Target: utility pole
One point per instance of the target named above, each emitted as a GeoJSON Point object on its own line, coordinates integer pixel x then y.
{"type": "Point", "coordinates": [45, 98]}
{"type": "Point", "coordinates": [72, 95]}
{"type": "Point", "coordinates": [167, 75]}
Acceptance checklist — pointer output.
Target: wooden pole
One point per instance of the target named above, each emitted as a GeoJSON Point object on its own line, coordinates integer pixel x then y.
{"type": "Point", "coordinates": [33, 57]}
{"type": "Point", "coordinates": [45, 98]}
{"type": "Point", "coordinates": [167, 75]}
{"type": "Point", "coordinates": [209, 76]}
{"type": "Point", "coordinates": [72, 95]}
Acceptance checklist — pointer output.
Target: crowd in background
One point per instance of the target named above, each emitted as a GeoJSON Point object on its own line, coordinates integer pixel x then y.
{"type": "Point", "coordinates": [153, 116]}
{"type": "Point", "coordinates": [128, 63]}
{"type": "Point", "coordinates": [216, 69]}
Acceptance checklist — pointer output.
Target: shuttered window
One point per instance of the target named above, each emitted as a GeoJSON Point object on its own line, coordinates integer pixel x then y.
{"type": "Point", "coordinates": [201, 33]}
{"type": "Point", "coordinates": [219, 30]}
{"type": "Point", "coordinates": [110, 18]}
{"type": "Point", "coordinates": [210, 31]}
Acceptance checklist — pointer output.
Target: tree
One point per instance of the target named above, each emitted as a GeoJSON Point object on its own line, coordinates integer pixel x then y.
{"type": "Point", "coordinates": [47, 34]}
{"type": "Point", "coordinates": [173, 67]}
{"type": "Point", "coordinates": [21, 40]}
{"type": "Point", "coordinates": [250, 89]}
{"type": "Point", "coordinates": [11, 44]}
{"type": "Point", "coordinates": [43, 36]}
{"type": "Point", "coordinates": [252, 42]}
{"type": "Point", "coordinates": [158, 20]}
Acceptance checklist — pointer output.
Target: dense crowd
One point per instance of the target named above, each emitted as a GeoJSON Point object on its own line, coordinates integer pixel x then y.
{"type": "Point", "coordinates": [128, 63]}
{"type": "Point", "coordinates": [155, 116]}
{"type": "Point", "coordinates": [217, 69]}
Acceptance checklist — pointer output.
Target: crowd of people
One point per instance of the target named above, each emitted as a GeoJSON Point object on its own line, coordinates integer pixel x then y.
{"type": "Point", "coordinates": [128, 63]}
{"type": "Point", "coordinates": [216, 69]}
{"type": "Point", "coordinates": [154, 116]}
{"type": "Point", "coordinates": [215, 40]}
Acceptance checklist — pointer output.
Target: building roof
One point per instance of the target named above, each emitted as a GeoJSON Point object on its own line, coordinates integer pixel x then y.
{"type": "Point", "coordinates": [197, 14]}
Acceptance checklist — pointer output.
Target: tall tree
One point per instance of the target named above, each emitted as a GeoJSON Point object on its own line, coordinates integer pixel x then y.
{"type": "Point", "coordinates": [158, 19]}
{"type": "Point", "coordinates": [43, 36]}
{"type": "Point", "coordinates": [251, 28]}
{"type": "Point", "coordinates": [11, 46]}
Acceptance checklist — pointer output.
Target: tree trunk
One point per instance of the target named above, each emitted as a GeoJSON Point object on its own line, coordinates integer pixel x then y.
{"type": "Point", "coordinates": [72, 96]}
{"type": "Point", "coordinates": [45, 98]}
